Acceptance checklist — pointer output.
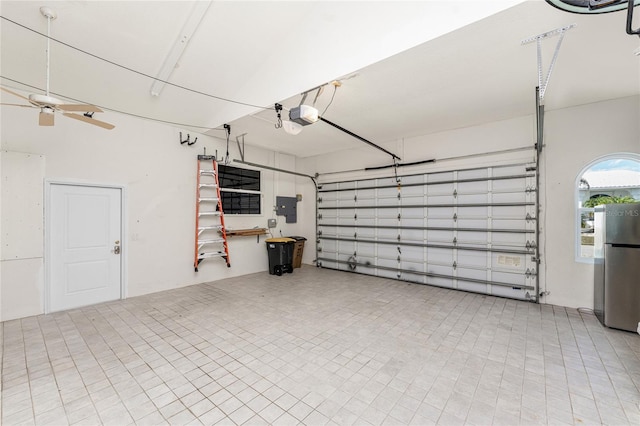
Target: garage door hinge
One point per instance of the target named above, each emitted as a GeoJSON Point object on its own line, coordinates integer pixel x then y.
{"type": "Point", "coordinates": [530, 245]}
{"type": "Point", "coordinates": [319, 199]}
{"type": "Point", "coordinates": [455, 240]}
{"type": "Point", "coordinates": [455, 193]}
{"type": "Point", "coordinates": [355, 198]}
{"type": "Point", "coordinates": [455, 217]}
{"type": "Point", "coordinates": [455, 265]}
{"type": "Point", "coordinates": [530, 273]}
{"type": "Point", "coordinates": [530, 189]}
{"type": "Point", "coordinates": [399, 216]}
{"type": "Point", "coordinates": [320, 216]}
{"type": "Point", "coordinates": [529, 218]}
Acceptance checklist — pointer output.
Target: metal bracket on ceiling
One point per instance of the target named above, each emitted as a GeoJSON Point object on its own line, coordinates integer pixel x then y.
{"type": "Point", "coordinates": [543, 83]}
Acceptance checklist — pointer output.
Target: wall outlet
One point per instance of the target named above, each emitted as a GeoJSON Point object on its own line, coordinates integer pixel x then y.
{"type": "Point", "coordinates": [272, 223]}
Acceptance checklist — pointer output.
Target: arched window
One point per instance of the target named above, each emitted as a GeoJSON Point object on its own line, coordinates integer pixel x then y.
{"type": "Point", "coordinates": [614, 178]}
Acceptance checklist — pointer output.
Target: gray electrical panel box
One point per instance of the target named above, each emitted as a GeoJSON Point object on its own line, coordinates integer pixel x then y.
{"type": "Point", "coordinates": [286, 206]}
{"type": "Point", "coordinates": [272, 223]}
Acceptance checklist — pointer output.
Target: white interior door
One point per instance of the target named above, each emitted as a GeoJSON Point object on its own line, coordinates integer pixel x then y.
{"type": "Point", "coordinates": [84, 245]}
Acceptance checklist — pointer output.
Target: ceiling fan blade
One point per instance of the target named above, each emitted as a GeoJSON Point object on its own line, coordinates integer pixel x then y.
{"type": "Point", "coordinates": [14, 93]}
{"type": "Point", "coordinates": [89, 120]}
{"type": "Point", "coordinates": [19, 105]}
{"type": "Point", "coordinates": [79, 107]}
{"type": "Point", "coordinates": [46, 118]}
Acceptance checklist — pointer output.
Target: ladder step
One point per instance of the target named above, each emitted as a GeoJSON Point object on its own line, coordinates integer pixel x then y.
{"type": "Point", "coordinates": [208, 185]}
{"type": "Point", "coordinates": [214, 199]}
{"type": "Point", "coordinates": [209, 214]}
{"type": "Point", "coordinates": [207, 172]}
{"type": "Point", "coordinates": [211, 241]}
{"type": "Point", "coordinates": [212, 254]}
{"type": "Point", "coordinates": [208, 228]}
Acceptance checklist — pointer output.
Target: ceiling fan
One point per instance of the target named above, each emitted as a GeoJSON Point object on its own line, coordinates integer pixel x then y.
{"type": "Point", "coordinates": [49, 105]}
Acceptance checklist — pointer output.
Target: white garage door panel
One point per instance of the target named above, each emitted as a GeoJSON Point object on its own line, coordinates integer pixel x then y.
{"type": "Point", "coordinates": [472, 258]}
{"type": "Point", "coordinates": [407, 265]}
{"type": "Point", "coordinates": [413, 254]}
{"type": "Point", "coordinates": [365, 233]}
{"type": "Point", "coordinates": [509, 212]}
{"type": "Point", "coordinates": [468, 237]}
{"type": "Point", "coordinates": [412, 212]}
{"type": "Point", "coordinates": [473, 274]}
{"type": "Point", "coordinates": [346, 247]}
{"type": "Point", "coordinates": [440, 177]}
{"type": "Point", "coordinates": [413, 191]}
{"type": "Point", "coordinates": [439, 213]}
{"type": "Point", "coordinates": [473, 287]}
{"type": "Point", "coordinates": [478, 217]}
{"type": "Point", "coordinates": [439, 256]}
{"type": "Point", "coordinates": [473, 212]}
{"type": "Point", "coordinates": [329, 231]}
{"type": "Point", "coordinates": [508, 239]}
{"type": "Point", "coordinates": [510, 197]}
{"type": "Point", "coordinates": [366, 250]}
{"type": "Point", "coordinates": [506, 277]}
{"type": "Point", "coordinates": [441, 282]}
{"type": "Point", "coordinates": [387, 251]}
{"type": "Point", "coordinates": [326, 203]}
{"type": "Point", "coordinates": [346, 195]}
{"type": "Point", "coordinates": [509, 185]}
{"type": "Point", "coordinates": [412, 235]}
{"type": "Point", "coordinates": [472, 174]}
{"type": "Point", "coordinates": [475, 187]}
{"type": "Point", "coordinates": [386, 234]}
{"type": "Point", "coordinates": [435, 200]}
{"type": "Point", "coordinates": [329, 246]}
{"type": "Point", "coordinates": [440, 236]}
{"type": "Point", "coordinates": [473, 198]}
{"type": "Point", "coordinates": [413, 221]}
{"type": "Point", "coordinates": [364, 214]}
{"type": "Point", "coordinates": [446, 222]}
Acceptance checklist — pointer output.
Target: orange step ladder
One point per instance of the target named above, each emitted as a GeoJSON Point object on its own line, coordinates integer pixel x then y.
{"type": "Point", "coordinates": [211, 234]}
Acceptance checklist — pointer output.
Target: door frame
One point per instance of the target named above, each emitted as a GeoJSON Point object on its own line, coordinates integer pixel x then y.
{"type": "Point", "coordinates": [48, 183]}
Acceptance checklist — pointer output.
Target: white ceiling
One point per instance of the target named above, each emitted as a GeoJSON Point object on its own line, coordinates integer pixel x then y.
{"type": "Point", "coordinates": [416, 67]}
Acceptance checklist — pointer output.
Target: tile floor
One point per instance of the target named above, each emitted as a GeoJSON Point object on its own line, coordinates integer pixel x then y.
{"type": "Point", "coordinates": [318, 347]}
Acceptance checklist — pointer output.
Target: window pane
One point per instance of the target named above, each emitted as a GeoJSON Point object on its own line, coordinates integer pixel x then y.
{"type": "Point", "coordinates": [586, 233]}
{"type": "Point", "coordinates": [236, 178]}
{"type": "Point", "coordinates": [240, 203]}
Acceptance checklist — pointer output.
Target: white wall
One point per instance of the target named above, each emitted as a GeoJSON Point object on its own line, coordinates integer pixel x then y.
{"type": "Point", "coordinates": [159, 175]}
{"type": "Point", "coordinates": [574, 137]}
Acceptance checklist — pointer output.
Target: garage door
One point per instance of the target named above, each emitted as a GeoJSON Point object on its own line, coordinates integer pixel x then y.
{"type": "Point", "coordinates": [471, 230]}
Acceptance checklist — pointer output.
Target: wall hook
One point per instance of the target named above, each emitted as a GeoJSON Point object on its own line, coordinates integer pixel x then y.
{"type": "Point", "coordinates": [182, 142]}
{"type": "Point", "coordinates": [187, 140]}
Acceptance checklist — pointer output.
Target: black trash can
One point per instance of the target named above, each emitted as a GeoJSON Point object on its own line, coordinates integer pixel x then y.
{"type": "Point", "coordinates": [298, 250]}
{"type": "Point", "coordinates": [280, 251]}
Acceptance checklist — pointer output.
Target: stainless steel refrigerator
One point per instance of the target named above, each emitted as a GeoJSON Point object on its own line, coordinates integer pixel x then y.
{"type": "Point", "coordinates": [617, 266]}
